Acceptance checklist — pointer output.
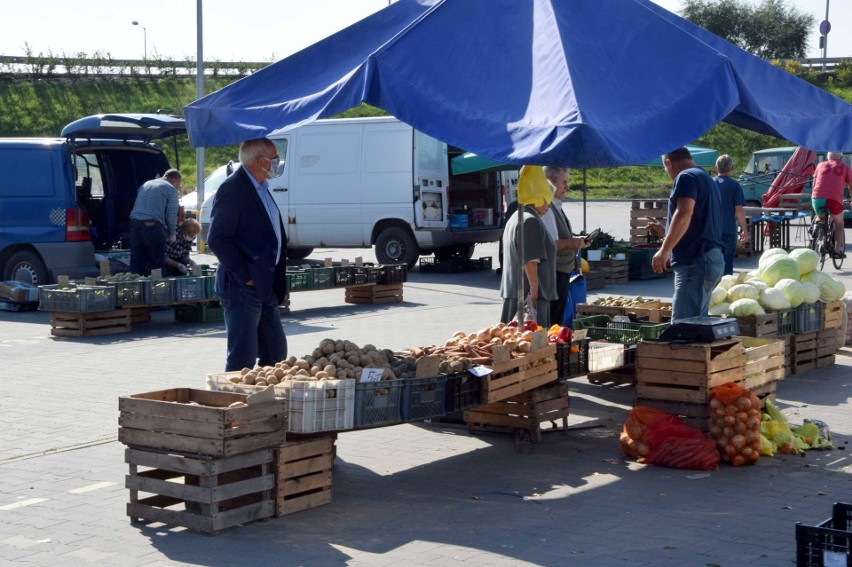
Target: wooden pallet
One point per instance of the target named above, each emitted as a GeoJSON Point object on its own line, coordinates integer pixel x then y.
{"type": "Point", "coordinates": [203, 493]}
{"type": "Point", "coordinates": [512, 376]}
{"type": "Point", "coordinates": [68, 324]}
{"type": "Point", "coordinates": [525, 411]}
{"type": "Point", "coordinates": [201, 422]}
{"type": "Point", "coordinates": [687, 372]}
{"type": "Point", "coordinates": [369, 294]}
{"type": "Point", "coordinates": [832, 315]}
{"type": "Point", "coordinates": [303, 474]}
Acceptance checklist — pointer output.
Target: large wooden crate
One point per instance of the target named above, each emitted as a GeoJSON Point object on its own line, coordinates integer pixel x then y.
{"type": "Point", "coordinates": [764, 361]}
{"type": "Point", "coordinates": [614, 271]}
{"type": "Point", "coordinates": [594, 279]}
{"type": "Point", "coordinates": [760, 326]}
{"type": "Point", "coordinates": [803, 352]}
{"type": "Point", "coordinates": [201, 422]}
{"type": "Point", "coordinates": [640, 213]}
{"type": "Point", "coordinates": [525, 411]}
{"type": "Point", "coordinates": [827, 345]}
{"type": "Point", "coordinates": [303, 473]}
{"type": "Point", "coordinates": [512, 376]}
{"type": "Point", "coordinates": [687, 372]}
{"type": "Point", "coordinates": [90, 324]}
{"type": "Point", "coordinates": [378, 293]}
{"type": "Point", "coordinates": [202, 493]}
{"type": "Point", "coordinates": [645, 309]}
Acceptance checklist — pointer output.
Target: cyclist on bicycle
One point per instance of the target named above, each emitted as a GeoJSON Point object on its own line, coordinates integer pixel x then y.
{"type": "Point", "coordinates": [830, 177]}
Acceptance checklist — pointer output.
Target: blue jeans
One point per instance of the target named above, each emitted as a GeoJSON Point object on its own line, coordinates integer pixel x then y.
{"type": "Point", "coordinates": [730, 242]}
{"type": "Point", "coordinates": [255, 333]}
{"type": "Point", "coordinates": [147, 247]}
{"type": "Point", "coordinates": [694, 283]}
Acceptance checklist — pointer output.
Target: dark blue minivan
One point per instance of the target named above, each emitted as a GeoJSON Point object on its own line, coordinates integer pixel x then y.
{"type": "Point", "coordinates": [61, 199]}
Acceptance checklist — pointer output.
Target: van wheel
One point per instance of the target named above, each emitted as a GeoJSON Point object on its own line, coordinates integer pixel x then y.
{"type": "Point", "coordinates": [26, 267]}
{"type": "Point", "coordinates": [396, 246]}
{"type": "Point", "coordinates": [298, 253]}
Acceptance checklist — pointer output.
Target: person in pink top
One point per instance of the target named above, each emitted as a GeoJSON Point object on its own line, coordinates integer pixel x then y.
{"type": "Point", "coordinates": [830, 177]}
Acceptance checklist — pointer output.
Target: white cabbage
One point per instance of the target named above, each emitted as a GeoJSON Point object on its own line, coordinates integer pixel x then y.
{"type": "Point", "coordinates": [718, 295]}
{"type": "Point", "coordinates": [742, 291]}
{"type": "Point", "coordinates": [723, 308]}
{"type": "Point", "coordinates": [759, 284]}
{"type": "Point", "coordinates": [777, 268]}
{"type": "Point", "coordinates": [746, 307]}
{"type": "Point", "coordinates": [727, 281]}
{"type": "Point", "coordinates": [774, 299]}
{"type": "Point", "coordinates": [793, 290]}
{"type": "Point", "coordinates": [811, 292]}
{"type": "Point", "coordinates": [769, 254]}
{"type": "Point", "coordinates": [806, 258]}
{"type": "Point", "coordinates": [829, 288]}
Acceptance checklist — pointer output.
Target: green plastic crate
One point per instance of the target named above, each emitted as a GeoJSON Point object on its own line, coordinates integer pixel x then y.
{"type": "Point", "coordinates": [322, 278]}
{"type": "Point", "coordinates": [199, 313]}
{"type": "Point", "coordinates": [299, 279]}
{"type": "Point", "coordinates": [602, 327]}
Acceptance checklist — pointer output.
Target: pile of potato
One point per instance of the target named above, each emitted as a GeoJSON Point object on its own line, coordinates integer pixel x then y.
{"type": "Point", "coordinates": [620, 301]}
{"type": "Point", "coordinates": [332, 359]}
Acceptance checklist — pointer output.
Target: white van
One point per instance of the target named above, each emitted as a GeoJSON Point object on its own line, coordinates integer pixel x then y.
{"type": "Point", "coordinates": [361, 182]}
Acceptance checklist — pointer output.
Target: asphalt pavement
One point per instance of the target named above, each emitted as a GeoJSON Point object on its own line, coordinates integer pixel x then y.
{"type": "Point", "coordinates": [413, 494]}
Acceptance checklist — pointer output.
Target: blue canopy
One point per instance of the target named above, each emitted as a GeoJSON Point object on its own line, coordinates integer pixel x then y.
{"type": "Point", "coordinates": [577, 83]}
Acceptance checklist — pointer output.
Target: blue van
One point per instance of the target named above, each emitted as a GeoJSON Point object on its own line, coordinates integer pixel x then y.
{"type": "Point", "coordinates": [61, 199]}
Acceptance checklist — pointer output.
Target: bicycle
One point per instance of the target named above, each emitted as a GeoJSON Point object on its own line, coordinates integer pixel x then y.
{"type": "Point", "coordinates": [822, 239]}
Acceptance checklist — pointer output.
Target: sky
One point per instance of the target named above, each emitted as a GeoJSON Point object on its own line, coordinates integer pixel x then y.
{"type": "Point", "coordinates": [249, 30]}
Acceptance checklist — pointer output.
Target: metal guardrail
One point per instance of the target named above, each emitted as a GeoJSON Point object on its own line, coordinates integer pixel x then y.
{"type": "Point", "coordinates": [61, 65]}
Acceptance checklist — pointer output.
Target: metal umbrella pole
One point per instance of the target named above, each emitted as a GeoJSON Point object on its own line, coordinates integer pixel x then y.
{"type": "Point", "coordinates": [520, 276]}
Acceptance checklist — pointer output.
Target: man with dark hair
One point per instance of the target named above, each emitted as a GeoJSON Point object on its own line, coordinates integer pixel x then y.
{"type": "Point", "coordinates": [247, 236]}
{"type": "Point", "coordinates": [154, 219]}
{"type": "Point", "coordinates": [692, 239]}
{"type": "Point", "coordinates": [733, 200]}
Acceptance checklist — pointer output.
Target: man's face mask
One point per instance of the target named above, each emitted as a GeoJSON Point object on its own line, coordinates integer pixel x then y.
{"type": "Point", "coordinates": [273, 168]}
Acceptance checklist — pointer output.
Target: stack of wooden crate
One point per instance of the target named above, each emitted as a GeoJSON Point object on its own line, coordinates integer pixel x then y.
{"type": "Point", "coordinates": [640, 214]}
{"type": "Point", "coordinates": [526, 411]}
{"type": "Point", "coordinates": [614, 271]}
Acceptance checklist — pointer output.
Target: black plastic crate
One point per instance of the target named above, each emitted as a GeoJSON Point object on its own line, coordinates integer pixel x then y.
{"type": "Point", "coordinates": [392, 273]}
{"type": "Point", "coordinates": [360, 275]}
{"type": "Point", "coordinates": [343, 276]}
{"type": "Point", "coordinates": [572, 359]}
{"type": "Point", "coordinates": [423, 398]}
{"type": "Point", "coordinates": [828, 543]}
{"type": "Point", "coordinates": [378, 403]}
{"type": "Point", "coordinates": [454, 264]}
{"type": "Point", "coordinates": [786, 322]}
{"type": "Point", "coordinates": [807, 318]}
{"type": "Point", "coordinates": [463, 391]}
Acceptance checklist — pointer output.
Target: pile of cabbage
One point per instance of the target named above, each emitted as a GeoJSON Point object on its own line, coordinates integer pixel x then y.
{"type": "Point", "coordinates": [781, 281]}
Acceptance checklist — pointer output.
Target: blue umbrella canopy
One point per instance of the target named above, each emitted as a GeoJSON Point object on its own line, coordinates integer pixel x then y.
{"type": "Point", "coordinates": [578, 83]}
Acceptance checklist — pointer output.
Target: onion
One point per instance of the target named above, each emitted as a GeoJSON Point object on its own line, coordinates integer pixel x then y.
{"type": "Point", "coordinates": [743, 403]}
{"type": "Point", "coordinates": [742, 416]}
{"type": "Point", "coordinates": [738, 441]}
{"type": "Point", "coordinates": [716, 403]}
{"type": "Point", "coordinates": [738, 461]}
{"type": "Point", "coordinates": [715, 431]}
{"type": "Point", "coordinates": [728, 431]}
{"type": "Point", "coordinates": [730, 420]}
{"type": "Point", "coordinates": [731, 410]}
{"type": "Point", "coordinates": [740, 428]}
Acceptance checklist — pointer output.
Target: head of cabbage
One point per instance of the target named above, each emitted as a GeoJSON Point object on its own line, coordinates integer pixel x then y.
{"type": "Point", "coordinates": [727, 281]}
{"type": "Point", "coordinates": [811, 291]}
{"type": "Point", "coordinates": [792, 289]}
{"type": "Point", "coordinates": [718, 295]}
{"type": "Point", "coordinates": [742, 291]}
{"type": "Point", "coordinates": [774, 299]}
{"type": "Point", "coordinates": [768, 254]}
{"type": "Point", "coordinates": [723, 308]}
{"type": "Point", "coordinates": [746, 307]}
{"type": "Point", "coordinates": [777, 268]}
{"type": "Point", "coordinates": [806, 258]}
{"type": "Point", "coordinates": [830, 289]}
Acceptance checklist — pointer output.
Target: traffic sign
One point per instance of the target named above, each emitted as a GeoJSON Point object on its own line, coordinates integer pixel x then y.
{"type": "Point", "coordinates": [824, 27]}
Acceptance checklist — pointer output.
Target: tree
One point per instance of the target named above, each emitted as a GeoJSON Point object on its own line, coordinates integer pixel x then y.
{"type": "Point", "coordinates": [770, 30]}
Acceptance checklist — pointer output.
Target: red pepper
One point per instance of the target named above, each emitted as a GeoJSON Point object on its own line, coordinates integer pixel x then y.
{"type": "Point", "coordinates": [530, 325]}
{"type": "Point", "coordinates": [512, 324]}
{"type": "Point", "coordinates": [565, 334]}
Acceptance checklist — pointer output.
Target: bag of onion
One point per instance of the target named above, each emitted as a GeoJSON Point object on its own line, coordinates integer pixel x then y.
{"type": "Point", "coordinates": [735, 423]}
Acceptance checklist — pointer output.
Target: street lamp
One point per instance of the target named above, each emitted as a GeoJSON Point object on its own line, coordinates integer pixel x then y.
{"type": "Point", "coordinates": [144, 38]}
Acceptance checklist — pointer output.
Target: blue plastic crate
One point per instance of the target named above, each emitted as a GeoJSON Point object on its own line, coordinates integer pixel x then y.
{"type": "Point", "coordinates": [423, 398]}
{"type": "Point", "coordinates": [378, 403]}
{"type": "Point", "coordinates": [807, 318]}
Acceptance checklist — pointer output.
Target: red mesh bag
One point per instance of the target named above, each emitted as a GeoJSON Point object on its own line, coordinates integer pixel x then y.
{"type": "Point", "coordinates": [685, 453]}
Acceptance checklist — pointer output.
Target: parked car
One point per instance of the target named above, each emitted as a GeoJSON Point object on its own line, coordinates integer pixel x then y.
{"type": "Point", "coordinates": [189, 202]}
{"type": "Point", "coordinates": [62, 199]}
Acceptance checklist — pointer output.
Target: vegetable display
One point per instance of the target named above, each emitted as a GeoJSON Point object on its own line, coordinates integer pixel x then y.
{"type": "Point", "coordinates": [621, 301]}
{"type": "Point", "coordinates": [735, 423]}
{"type": "Point", "coordinates": [478, 347]}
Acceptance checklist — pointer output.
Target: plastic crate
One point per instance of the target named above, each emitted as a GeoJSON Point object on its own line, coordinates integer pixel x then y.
{"type": "Point", "coordinates": [807, 318]}
{"type": "Point", "coordinates": [786, 322]}
{"type": "Point", "coordinates": [128, 292]}
{"type": "Point", "coordinates": [322, 278]}
{"type": "Point", "coordinates": [161, 291]}
{"type": "Point", "coordinates": [199, 313]}
{"type": "Point", "coordinates": [76, 298]}
{"type": "Point", "coordinates": [343, 276]}
{"type": "Point", "coordinates": [828, 543]}
{"type": "Point", "coordinates": [189, 288]}
{"type": "Point", "coordinates": [463, 391]}
{"type": "Point", "coordinates": [298, 280]}
{"type": "Point", "coordinates": [209, 283]}
{"type": "Point", "coordinates": [325, 405]}
{"type": "Point", "coordinates": [572, 359]}
{"type": "Point", "coordinates": [605, 356]}
{"type": "Point", "coordinates": [602, 327]}
{"type": "Point", "coordinates": [378, 403]}
{"type": "Point", "coordinates": [392, 273]}
{"type": "Point", "coordinates": [360, 275]}
{"type": "Point", "coordinates": [206, 270]}
{"type": "Point", "coordinates": [483, 263]}
{"type": "Point", "coordinates": [423, 398]}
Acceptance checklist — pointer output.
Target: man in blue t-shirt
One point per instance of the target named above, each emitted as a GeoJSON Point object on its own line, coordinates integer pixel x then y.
{"type": "Point", "coordinates": [692, 240]}
{"type": "Point", "coordinates": [733, 200]}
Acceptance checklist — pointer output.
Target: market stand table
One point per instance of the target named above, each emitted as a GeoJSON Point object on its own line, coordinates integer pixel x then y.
{"type": "Point", "coordinates": [779, 221]}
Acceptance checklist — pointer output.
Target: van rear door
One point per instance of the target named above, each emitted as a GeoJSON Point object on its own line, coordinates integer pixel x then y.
{"type": "Point", "coordinates": [431, 182]}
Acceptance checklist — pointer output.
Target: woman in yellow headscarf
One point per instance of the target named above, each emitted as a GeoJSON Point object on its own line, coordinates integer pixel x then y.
{"type": "Point", "coordinates": [538, 257]}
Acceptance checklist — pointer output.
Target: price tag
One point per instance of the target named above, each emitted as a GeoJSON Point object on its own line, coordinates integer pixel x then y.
{"type": "Point", "coordinates": [833, 559]}
{"type": "Point", "coordinates": [621, 319]}
{"type": "Point", "coordinates": [328, 263]}
{"type": "Point", "coordinates": [156, 274]}
{"type": "Point", "coordinates": [372, 374]}
{"type": "Point", "coordinates": [62, 281]}
{"type": "Point", "coordinates": [89, 281]}
{"type": "Point", "coordinates": [344, 262]}
{"type": "Point", "coordinates": [359, 261]}
{"type": "Point", "coordinates": [581, 334]}
{"type": "Point", "coordinates": [480, 371]}
{"type": "Point", "coordinates": [104, 265]}
{"type": "Point", "coordinates": [196, 270]}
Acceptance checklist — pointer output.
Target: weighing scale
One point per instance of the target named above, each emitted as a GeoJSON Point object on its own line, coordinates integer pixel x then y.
{"type": "Point", "coordinates": [700, 330]}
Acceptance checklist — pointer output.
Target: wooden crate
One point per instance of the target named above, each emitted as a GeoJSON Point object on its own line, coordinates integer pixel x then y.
{"type": "Point", "coordinates": [686, 372]}
{"type": "Point", "coordinates": [803, 352]}
{"type": "Point", "coordinates": [525, 411]}
{"type": "Point", "coordinates": [640, 212]}
{"type": "Point", "coordinates": [202, 493]}
{"type": "Point", "coordinates": [826, 342]}
{"type": "Point", "coordinates": [832, 315]}
{"type": "Point", "coordinates": [765, 361]}
{"type": "Point", "coordinates": [594, 279]}
{"type": "Point", "coordinates": [369, 294]}
{"type": "Point", "coordinates": [643, 309]}
{"type": "Point", "coordinates": [614, 271]}
{"type": "Point", "coordinates": [139, 314]}
{"type": "Point", "coordinates": [512, 376]}
{"type": "Point", "coordinates": [200, 422]}
{"type": "Point", "coordinates": [761, 326]}
{"type": "Point", "coordinates": [91, 324]}
{"type": "Point", "coordinates": [303, 474]}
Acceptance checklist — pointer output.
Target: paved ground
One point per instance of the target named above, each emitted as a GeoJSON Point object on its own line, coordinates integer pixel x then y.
{"type": "Point", "coordinates": [403, 495]}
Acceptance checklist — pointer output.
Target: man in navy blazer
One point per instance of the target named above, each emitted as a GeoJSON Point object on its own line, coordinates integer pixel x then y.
{"type": "Point", "coordinates": [247, 236]}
